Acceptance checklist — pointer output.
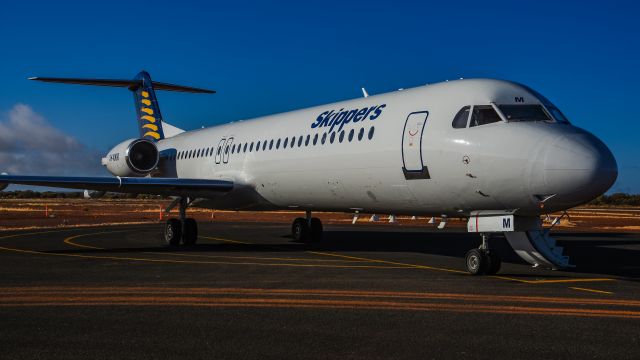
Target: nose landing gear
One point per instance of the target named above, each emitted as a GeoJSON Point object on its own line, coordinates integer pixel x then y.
{"type": "Point", "coordinates": [183, 230]}
{"type": "Point", "coordinates": [483, 261]}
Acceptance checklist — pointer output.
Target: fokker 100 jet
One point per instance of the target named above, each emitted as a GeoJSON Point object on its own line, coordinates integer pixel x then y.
{"type": "Point", "coordinates": [495, 152]}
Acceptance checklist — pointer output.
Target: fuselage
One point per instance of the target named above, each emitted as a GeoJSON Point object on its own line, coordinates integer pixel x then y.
{"type": "Point", "coordinates": [403, 153]}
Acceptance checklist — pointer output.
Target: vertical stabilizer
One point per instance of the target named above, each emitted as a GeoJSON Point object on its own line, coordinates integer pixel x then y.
{"type": "Point", "coordinates": [147, 109]}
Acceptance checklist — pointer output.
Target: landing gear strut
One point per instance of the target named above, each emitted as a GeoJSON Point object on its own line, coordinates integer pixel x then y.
{"type": "Point", "coordinates": [306, 229]}
{"type": "Point", "coordinates": [183, 230]}
{"type": "Point", "coordinates": [483, 261]}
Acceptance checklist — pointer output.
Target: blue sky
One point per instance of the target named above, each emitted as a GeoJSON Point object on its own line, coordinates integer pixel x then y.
{"type": "Point", "coordinates": [269, 57]}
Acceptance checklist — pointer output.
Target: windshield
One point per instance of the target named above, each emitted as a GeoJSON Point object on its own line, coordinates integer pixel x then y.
{"type": "Point", "coordinates": [524, 112]}
{"type": "Point", "coordinates": [483, 114]}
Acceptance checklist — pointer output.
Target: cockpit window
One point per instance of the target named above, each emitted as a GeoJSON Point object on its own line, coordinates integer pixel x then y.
{"type": "Point", "coordinates": [461, 118]}
{"type": "Point", "coordinates": [483, 114]}
{"type": "Point", "coordinates": [524, 112]}
{"type": "Point", "coordinates": [557, 114]}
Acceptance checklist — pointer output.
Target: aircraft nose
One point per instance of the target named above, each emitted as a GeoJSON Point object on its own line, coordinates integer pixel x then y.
{"type": "Point", "coordinates": [579, 167]}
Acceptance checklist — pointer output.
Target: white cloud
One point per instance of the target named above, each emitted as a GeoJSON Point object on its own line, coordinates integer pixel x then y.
{"type": "Point", "coordinates": [30, 145]}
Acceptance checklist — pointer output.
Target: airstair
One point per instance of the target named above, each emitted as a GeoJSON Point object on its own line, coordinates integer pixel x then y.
{"type": "Point", "coordinates": [525, 234]}
{"type": "Point", "coordinates": [538, 248]}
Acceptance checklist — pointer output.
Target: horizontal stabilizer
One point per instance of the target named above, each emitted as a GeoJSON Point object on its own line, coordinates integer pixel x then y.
{"type": "Point", "coordinates": [142, 185]}
{"type": "Point", "coordinates": [131, 84]}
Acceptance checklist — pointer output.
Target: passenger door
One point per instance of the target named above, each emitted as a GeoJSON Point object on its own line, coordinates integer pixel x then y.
{"type": "Point", "coordinates": [219, 150]}
{"type": "Point", "coordinates": [227, 150]}
{"type": "Point", "coordinates": [413, 165]}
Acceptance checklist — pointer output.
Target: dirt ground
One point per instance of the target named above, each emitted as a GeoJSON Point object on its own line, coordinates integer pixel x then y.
{"type": "Point", "coordinates": [54, 213]}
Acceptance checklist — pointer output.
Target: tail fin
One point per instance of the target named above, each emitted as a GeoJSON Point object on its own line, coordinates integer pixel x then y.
{"type": "Point", "coordinates": [147, 109]}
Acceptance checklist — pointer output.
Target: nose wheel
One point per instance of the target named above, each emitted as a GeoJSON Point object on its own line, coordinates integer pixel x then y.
{"type": "Point", "coordinates": [483, 261]}
{"type": "Point", "coordinates": [181, 231]}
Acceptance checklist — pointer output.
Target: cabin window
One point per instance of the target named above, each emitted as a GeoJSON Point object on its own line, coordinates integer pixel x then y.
{"type": "Point", "coordinates": [300, 141]}
{"type": "Point", "coordinates": [271, 145]}
{"type": "Point", "coordinates": [371, 132]}
{"type": "Point", "coordinates": [483, 114]}
{"type": "Point", "coordinates": [264, 145]}
{"type": "Point", "coordinates": [251, 147]}
{"type": "Point", "coordinates": [293, 141]}
{"type": "Point", "coordinates": [524, 112]}
{"type": "Point", "coordinates": [324, 138]}
{"type": "Point", "coordinates": [351, 132]}
{"type": "Point", "coordinates": [278, 144]}
{"type": "Point", "coordinates": [360, 134]}
{"type": "Point", "coordinates": [244, 150]}
{"type": "Point", "coordinates": [333, 137]}
{"type": "Point", "coordinates": [462, 118]}
{"type": "Point", "coordinates": [341, 136]}
{"type": "Point", "coordinates": [258, 146]}
{"type": "Point", "coordinates": [315, 139]}
{"type": "Point", "coordinates": [306, 142]}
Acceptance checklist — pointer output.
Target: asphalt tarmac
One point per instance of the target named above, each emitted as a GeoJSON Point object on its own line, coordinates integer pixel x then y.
{"type": "Point", "coordinates": [248, 291]}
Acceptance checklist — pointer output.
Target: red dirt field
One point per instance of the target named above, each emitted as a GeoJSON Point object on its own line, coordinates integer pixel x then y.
{"type": "Point", "coordinates": [54, 213]}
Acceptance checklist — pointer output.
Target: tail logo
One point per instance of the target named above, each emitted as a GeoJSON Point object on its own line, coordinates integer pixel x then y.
{"type": "Point", "coordinates": [150, 120]}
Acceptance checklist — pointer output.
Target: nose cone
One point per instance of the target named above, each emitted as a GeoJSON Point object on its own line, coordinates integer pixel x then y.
{"type": "Point", "coordinates": [578, 167]}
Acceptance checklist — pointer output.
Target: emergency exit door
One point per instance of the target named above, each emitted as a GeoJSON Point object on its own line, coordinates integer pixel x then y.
{"type": "Point", "coordinates": [413, 165]}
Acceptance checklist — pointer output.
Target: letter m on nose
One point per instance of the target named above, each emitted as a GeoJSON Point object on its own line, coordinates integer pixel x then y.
{"type": "Point", "coordinates": [506, 223]}
{"type": "Point", "coordinates": [519, 99]}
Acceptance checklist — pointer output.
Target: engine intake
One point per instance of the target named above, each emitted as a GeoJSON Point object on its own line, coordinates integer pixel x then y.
{"type": "Point", "coordinates": [133, 157]}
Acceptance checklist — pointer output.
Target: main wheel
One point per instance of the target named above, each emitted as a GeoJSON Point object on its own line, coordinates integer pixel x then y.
{"type": "Point", "coordinates": [300, 230]}
{"type": "Point", "coordinates": [476, 262]}
{"type": "Point", "coordinates": [190, 236]}
{"type": "Point", "coordinates": [493, 263]}
{"type": "Point", "coordinates": [316, 229]}
{"type": "Point", "coordinates": [173, 232]}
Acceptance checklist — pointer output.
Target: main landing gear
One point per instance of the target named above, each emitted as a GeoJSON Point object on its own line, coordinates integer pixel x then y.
{"type": "Point", "coordinates": [483, 261]}
{"type": "Point", "coordinates": [183, 230]}
{"type": "Point", "coordinates": [307, 229]}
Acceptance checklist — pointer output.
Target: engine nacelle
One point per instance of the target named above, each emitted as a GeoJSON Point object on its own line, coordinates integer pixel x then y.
{"type": "Point", "coordinates": [133, 157]}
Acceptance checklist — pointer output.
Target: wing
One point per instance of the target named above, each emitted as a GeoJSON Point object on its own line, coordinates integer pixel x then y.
{"type": "Point", "coordinates": [143, 185]}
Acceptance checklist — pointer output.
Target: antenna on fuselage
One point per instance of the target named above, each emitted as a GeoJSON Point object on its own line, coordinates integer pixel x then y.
{"type": "Point", "coordinates": [365, 93]}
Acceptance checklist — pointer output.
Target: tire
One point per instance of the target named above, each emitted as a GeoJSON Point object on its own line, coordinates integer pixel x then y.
{"type": "Point", "coordinates": [316, 229]}
{"type": "Point", "coordinates": [493, 263]}
{"type": "Point", "coordinates": [190, 236]}
{"type": "Point", "coordinates": [300, 230]}
{"type": "Point", "coordinates": [172, 232]}
{"type": "Point", "coordinates": [475, 262]}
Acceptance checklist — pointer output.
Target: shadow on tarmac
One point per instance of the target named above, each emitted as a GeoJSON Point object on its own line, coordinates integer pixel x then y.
{"type": "Point", "coordinates": [592, 253]}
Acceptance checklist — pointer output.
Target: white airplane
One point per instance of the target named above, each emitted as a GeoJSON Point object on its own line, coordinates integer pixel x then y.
{"type": "Point", "coordinates": [496, 152]}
